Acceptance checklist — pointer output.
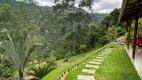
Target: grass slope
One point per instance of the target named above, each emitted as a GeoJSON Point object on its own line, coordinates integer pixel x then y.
{"type": "Point", "coordinates": [53, 75]}
{"type": "Point", "coordinates": [78, 71]}
{"type": "Point", "coordinates": [73, 74]}
{"type": "Point", "coordinates": [63, 66]}
{"type": "Point", "coordinates": [117, 66]}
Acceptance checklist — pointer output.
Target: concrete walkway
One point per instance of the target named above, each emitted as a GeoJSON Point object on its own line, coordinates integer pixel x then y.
{"type": "Point", "coordinates": [93, 65]}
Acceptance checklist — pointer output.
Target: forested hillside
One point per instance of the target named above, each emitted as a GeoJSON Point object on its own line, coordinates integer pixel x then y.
{"type": "Point", "coordinates": [50, 33]}
{"type": "Point", "coordinates": [54, 24]}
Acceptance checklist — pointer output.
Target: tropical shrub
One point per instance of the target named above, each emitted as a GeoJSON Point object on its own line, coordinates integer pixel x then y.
{"type": "Point", "coordinates": [39, 71]}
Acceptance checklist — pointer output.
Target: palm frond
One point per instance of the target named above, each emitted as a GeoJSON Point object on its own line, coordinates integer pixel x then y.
{"type": "Point", "coordinates": [15, 47]}
{"type": "Point", "coordinates": [40, 71]}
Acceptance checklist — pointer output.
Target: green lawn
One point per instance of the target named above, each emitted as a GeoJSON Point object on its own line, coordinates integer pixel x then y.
{"type": "Point", "coordinates": [117, 66]}
{"type": "Point", "coordinates": [61, 62]}
{"type": "Point", "coordinates": [65, 66]}
{"type": "Point", "coordinates": [53, 75]}
{"type": "Point", "coordinates": [73, 74]}
{"type": "Point", "coordinates": [71, 59]}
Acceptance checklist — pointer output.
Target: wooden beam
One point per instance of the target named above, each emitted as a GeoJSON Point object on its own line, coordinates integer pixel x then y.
{"type": "Point", "coordinates": [129, 9]}
{"type": "Point", "coordinates": [138, 2]}
{"type": "Point", "coordinates": [140, 15]}
{"type": "Point", "coordinates": [133, 9]}
{"type": "Point", "coordinates": [135, 36]}
{"type": "Point", "coordinates": [131, 15]}
{"type": "Point", "coordinates": [133, 6]}
{"type": "Point", "coordinates": [129, 33]}
{"type": "Point", "coordinates": [136, 10]}
{"type": "Point", "coordinates": [124, 3]}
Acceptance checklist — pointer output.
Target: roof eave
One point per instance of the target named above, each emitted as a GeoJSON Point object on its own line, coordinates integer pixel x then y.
{"type": "Point", "coordinates": [124, 3]}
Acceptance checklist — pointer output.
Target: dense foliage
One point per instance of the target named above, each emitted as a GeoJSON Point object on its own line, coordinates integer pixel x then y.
{"type": "Point", "coordinates": [59, 31]}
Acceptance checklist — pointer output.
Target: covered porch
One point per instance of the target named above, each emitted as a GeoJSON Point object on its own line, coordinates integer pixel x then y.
{"type": "Point", "coordinates": [131, 10]}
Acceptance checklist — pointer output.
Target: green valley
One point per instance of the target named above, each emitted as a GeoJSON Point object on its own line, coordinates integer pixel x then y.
{"type": "Point", "coordinates": [62, 40]}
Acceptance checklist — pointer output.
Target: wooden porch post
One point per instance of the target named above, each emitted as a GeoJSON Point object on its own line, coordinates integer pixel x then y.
{"type": "Point", "coordinates": [127, 27]}
{"type": "Point", "coordinates": [135, 36]}
{"type": "Point", "coordinates": [129, 33]}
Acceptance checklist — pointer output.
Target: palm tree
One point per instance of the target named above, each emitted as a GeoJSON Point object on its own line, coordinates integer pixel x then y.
{"type": "Point", "coordinates": [15, 46]}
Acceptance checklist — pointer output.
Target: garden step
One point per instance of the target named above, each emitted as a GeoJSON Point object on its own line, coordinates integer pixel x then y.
{"type": "Point", "coordinates": [85, 77]}
{"type": "Point", "coordinates": [98, 60]}
{"type": "Point", "coordinates": [88, 71]}
{"type": "Point", "coordinates": [92, 66]}
{"type": "Point", "coordinates": [99, 57]}
{"type": "Point", "coordinates": [93, 62]}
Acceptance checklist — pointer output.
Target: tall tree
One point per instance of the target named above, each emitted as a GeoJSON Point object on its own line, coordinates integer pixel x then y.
{"type": "Point", "coordinates": [112, 33]}
{"type": "Point", "coordinates": [7, 17]}
{"type": "Point", "coordinates": [111, 19]}
{"type": "Point", "coordinates": [77, 20]}
{"type": "Point", "coordinates": [82, 3]}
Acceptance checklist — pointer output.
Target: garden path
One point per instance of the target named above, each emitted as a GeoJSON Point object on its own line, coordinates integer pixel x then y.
{"type": "Point", "coordinates": [91, 67]}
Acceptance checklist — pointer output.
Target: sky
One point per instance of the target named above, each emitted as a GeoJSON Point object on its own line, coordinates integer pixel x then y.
{"type": "Point", "coordinates": [100, 6]}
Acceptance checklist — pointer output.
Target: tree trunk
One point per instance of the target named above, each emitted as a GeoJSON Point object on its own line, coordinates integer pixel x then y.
{"type": "Point", "coordinates": [73, 44]}
{"type": "Point", "coordinates": [21, 77]}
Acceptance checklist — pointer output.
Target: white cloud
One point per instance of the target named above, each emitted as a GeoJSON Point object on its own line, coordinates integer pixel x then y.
{"type": "Point", "coordinates": [100, 6]}
{"type": "Point", "coordinates": [106, 6]}
{"type": "Point", "coordinates": [45, 2]}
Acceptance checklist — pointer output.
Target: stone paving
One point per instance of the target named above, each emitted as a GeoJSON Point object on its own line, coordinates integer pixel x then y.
{"type": "Point", "coordinates": [97, 60]}
{"type": "Point", "coordinates": [100, 57]}
{"type": "Point", "coordinates": [85, 77]}
{"type": "Point", "coordinates": [90, 71]}
{"type": "Point", "coordinates": [93, 62]}
{"type": "Point", "coordinates": [93, 65]}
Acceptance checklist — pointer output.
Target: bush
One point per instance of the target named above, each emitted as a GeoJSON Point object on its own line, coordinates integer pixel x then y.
{"type": "Point", "coordinates": [82, 48]}
{"type": "Point", "coordinates": [67, 56]}
{"type": "Point", "coordinates": [38, 72]}
{"type": "Point", "coordinates": [102, 41]}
